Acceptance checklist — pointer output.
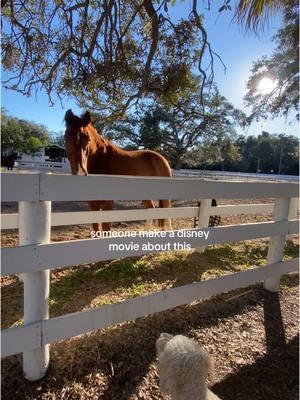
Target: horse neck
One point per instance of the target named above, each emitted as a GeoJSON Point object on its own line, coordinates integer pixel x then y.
{"type": "Point", "coordinates": [105, 147]}
{"type": "Point", "coordinates": [101, 151]}
{"type": "Point", "coordinates": [97, 142]}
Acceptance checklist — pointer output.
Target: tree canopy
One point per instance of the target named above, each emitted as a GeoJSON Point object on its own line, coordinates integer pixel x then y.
{"type": "Point", "coordinates": [215, 146]}
{"type": "Point", "coordinates": [282, 67]}
{"type": "Point", "coordinates": [173, 133]}
{"type": "Point", "coordinates": [112, 54]}
{"type": "Point", "coordinates": [265, 153]}
{"type": "Point", "coordinates": [107, 54]}
{"type": "Point", "coordinates": [21, 135]}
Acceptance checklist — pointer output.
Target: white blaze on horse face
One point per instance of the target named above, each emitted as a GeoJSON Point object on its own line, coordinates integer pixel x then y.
{"type": "Point", "coordinates": [82, 165]}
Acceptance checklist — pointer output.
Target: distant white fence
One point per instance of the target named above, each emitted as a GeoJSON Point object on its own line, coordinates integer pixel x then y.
{"type": "Point", "coordinates": [235, 175]}
{"type": "Point", "coordinates": [36, 255]}
{"type": "Point", "coordinates": [43, 165]}
{"type": "Point", "coordinates": [65, 167]}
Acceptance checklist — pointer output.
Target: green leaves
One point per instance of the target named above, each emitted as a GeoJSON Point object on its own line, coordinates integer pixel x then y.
{"type": "Point", "coordinates": [106, 55]}
{"type": "Point", "coordinates": [21, 135]}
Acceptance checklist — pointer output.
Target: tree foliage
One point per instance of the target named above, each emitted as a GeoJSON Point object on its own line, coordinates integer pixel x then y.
{"type": "Point", "coordinates": [282, 67]}
{"type": "Point", "coordinates": [21, 135]}
{"type": "Point", "coordinates": [175, 132]}
{"type": "Point", "coordinates": [275, 153]}
{"type": "Point", "coordinates": [255, 14]}
{"type": "Point", "coordinates": [107, 54]}
{"type": "Point", "coordinates": [194, 143]}
{"type": "Point", "coordinates": [268, 153]}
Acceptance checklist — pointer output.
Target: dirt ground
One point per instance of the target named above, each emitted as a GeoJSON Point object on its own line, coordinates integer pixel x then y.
{"type": "Point", "coordinates": [253, 340]}
{"type": "Point", "coordinates": [251, 334]}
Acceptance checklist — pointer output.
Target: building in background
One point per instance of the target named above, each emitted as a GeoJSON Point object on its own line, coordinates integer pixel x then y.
{"type": "Point", "coordinates": [52, 156]}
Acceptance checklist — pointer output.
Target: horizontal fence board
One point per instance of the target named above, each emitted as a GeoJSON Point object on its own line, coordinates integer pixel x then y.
{"type": "Point", "coordinates": [243, 209]}
{"type": "Point", "coordinates": [108, 187]}
{"type": "Point", "coordinates": [9, 221]}
{"type": "Point", "coordinates": [29, 337]}
{"type": "Point", "coordinates": [68, 218]}
{"type": "Point", "coordinates": [78, 323]}
{"type": "Point", "coordinates": [32, 258]}
{"type": "Point", "coordinates": [21, 338]}
{"type": "Point", "coordinates": [65, 187]}
{"type": "Point", "coordinates": [20, 187]}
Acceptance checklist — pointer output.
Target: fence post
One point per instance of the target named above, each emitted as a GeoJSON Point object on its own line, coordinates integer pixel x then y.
{"type": "Point", "coordinates": [276, 244]}
{"type": "Point", "coordinates": [293, 212]}
{"type": "Point", "coordinates": [34, 228]}
{"type": "Point", "coordinates": [203, 219]}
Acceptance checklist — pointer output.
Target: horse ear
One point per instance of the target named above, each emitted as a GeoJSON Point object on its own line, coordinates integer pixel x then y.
{"type": "Point", "coordinates": [86, 118]}
{"type": "Point", "coordinates": [69, 117]}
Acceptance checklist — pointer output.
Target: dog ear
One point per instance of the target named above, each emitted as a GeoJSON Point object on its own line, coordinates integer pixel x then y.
{"type": "Point", "coordinates": [69, 117]}
{"type": "Point", "coordinates": [86, 118]}
{"type": "Point", "coordinates": [161, 342]}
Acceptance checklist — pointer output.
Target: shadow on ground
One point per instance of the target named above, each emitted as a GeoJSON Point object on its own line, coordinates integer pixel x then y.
{"type": "Point", "coordinates": [275, 372]}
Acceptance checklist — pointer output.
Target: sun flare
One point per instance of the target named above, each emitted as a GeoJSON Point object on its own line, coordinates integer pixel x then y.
{"type": "Point", "coordinates": [266, 85]}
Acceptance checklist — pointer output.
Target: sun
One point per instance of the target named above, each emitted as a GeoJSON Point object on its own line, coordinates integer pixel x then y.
{"type": "Point", "coordinates": [266, 85]}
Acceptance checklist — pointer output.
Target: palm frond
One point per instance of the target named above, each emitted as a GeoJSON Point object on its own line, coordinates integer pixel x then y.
{"type": "Point", "coordinates": [255, 14]}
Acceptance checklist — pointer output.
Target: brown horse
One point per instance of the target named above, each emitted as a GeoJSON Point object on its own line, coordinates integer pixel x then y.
{"type": "Point", "coordinates": [90, 153]}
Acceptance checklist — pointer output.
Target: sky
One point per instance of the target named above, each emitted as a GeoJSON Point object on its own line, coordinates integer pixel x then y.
{"type": "Point", "coordinates": [237, 49]}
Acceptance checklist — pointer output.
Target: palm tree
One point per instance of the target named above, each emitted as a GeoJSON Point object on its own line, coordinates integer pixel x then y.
{"type": "Point", "coordinates": [255, 14]}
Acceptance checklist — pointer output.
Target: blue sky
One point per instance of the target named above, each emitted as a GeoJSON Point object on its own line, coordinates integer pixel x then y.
{"type": "Point", "coordinates": [237, 49]}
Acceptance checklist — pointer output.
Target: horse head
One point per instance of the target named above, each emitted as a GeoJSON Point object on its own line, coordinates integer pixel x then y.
{"type": "Point", "coordinates": [77, 140]}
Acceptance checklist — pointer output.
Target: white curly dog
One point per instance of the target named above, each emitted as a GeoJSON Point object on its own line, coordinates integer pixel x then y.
{"type": "Point", "coordinates": [183, 368]}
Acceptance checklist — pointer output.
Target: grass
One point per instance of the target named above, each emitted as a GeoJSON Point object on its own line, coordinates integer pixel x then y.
{"type": "Point", "coordinates": [106, 361]}
{"type": "Point", "coordinates": [104, 283]}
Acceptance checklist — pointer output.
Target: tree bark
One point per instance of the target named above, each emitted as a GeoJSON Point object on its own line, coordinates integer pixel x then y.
{"type": "Point", "coordinates": [178, 164]}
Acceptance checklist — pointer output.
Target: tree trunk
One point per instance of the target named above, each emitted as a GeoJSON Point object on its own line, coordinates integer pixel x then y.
{"type": "Point", "coordinates": [178, 164]}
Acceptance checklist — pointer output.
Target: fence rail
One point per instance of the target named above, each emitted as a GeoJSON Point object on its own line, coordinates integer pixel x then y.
{"type": "Point", "coordinates": [63, 187]}
{"type": "Point", "coordinates": [43, 165]}
{"type": "Point", "coordinates": [235, 175]}
{"type": "Point", "coordinates": [11, 221]}
{"type": "Point", "coordinates": [65, 167]}
{"type": "Point", "coordinates": [81, 322]}
{"type": "Point", "coordinates": [36, 255]}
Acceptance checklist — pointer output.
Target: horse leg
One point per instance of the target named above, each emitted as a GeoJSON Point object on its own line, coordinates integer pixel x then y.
{"type": "Point", "coordinates": [101, 205]}
{"type": "Point", "coordinates": [165, 204]}
{"type": "Point", "coordinates": [148, 204]}
{"type": "Point", "coordinates": [95, 206]}
{"type": "Point", "coordinates": [106, 206]}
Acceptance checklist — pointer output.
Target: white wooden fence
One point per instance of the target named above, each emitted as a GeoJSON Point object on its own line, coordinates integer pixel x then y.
{"type": "Point", "coordinates": [42, 165]}
{"type": "Point", "coordinates": [35, 255]}
{"type": "Point", "coordinates": [227, 175]}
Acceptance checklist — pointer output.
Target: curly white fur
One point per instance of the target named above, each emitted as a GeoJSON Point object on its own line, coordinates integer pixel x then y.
{"type": "Point", "coordinates": [183, 368]}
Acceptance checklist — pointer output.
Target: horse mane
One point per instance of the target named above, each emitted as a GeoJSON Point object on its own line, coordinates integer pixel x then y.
{"type": "Point", "coordinates": [105, 144]}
